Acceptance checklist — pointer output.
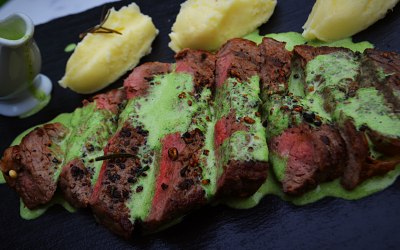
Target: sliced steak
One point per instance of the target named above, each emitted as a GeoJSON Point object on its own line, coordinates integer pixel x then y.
{"type": "Point", "coordinates": [31, 167]}
{"type": "Point", "coordinates": [303, 82]}
{"type": "Point", "coordinates": [92, 127]}
{"type": "Point", "coordinates": [200, 64]}
{"type": "Point", "coordinates": [178, 185]}
{"type": "Point", "coordinates": [383, 144]}
{"type": "Point", "coordinates": [361, 165]}
{"type": "Point", "coordinates": [239, 59]}
{"type": "Point", "coordinates": [240, 146]}
{"type": "Point", "coordinates": [381, 69]}
{"type": "Point", "coordinates": [275, 68]}
{"type": "Point", "coordinates": [311, 155]}
{"type": "Point", "coordinates": [119, 176]}
{"type": "Point", "coordinates": [306, 53]}
{"type": "Point", "coordinates": [75, 182]}
{"type": "Point", "coordinates": [138, 82]}
{"type": "Point", "coordinates": [112, 100]}
{"type": "Point", "coordinates": [118, 173]}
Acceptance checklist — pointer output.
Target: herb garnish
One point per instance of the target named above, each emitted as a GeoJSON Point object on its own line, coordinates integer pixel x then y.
{"type": "Point", "coordinates": [100, 28]}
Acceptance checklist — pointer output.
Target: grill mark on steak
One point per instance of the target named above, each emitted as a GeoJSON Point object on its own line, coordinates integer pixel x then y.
{"type": "Point", "coordinates": [314, 155]}
{"type": "Point", "coordinates": [35, 159]}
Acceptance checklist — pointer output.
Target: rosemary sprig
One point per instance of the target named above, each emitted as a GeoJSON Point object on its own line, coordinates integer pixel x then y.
{"type": "Point", "coordinates": [100, 28]}
{"type": "Point", "coordinates": [114, 156]}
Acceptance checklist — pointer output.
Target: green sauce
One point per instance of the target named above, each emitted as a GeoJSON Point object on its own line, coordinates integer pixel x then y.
{"type": "Point", "coordinates": [293, 38]}
{"type": "Point", "coordinates": [231, 97]}
{"type": "Point", "coordinates": [244, 100]}
{"type": "Point", "coordinates": [13, 29]}
{"type": "Point", "coordinates": [70, 47]}
{"type": "Point", "coordinates": [29, 214]}
{"type": "Point", "coordinates": [368, 108]}
{"type": "Point", "coordinates": [162, 112]}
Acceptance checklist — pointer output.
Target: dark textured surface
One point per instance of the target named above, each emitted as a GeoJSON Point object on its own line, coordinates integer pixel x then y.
{"type": "Point", "coordinates": [369, 223]}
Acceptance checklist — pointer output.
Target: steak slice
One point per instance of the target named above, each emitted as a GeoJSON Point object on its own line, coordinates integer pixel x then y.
{"type": "Point", "coordinates": [180, 184]}
{"type": "Point", "coordinates": [127, 157]}
{"type": "Point", "coordinates": [139, 81]}
{"type": "Point", "coordinates": [36, 161]}
{"type": "Point", "coordinates": [95, 123]}
{"type": "Point", "coordinates": [381, 69]}
{"type": "Point", "coordinates": [200, 64]}
{"type": "Point", "coordinates": [275, 68]}
{"type": "Point", "coordinates": [306, 53]}
{"type": "Point", "coordinates": [240, 146]}
{"type": "Point", "coordinates": [311, 155]}
{"type": "Point", "coordinates": [361, 164]}
{"type": "Point", "coordinates": [117, 175]}
{"type": "Point", "coordinates": [75, 182]}
{"type": "Point", "coordinates": [239, 59]}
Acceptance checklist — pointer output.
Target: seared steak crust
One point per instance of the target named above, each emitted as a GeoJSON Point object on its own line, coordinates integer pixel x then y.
{"type": "Point", "coordinates": [35, 160]}
{"type": "Point", "coordinates": [306, 52]}
{"type": "Point", "coordinates": [275, 67]}
{"type": "Point", "coordinates": [238, 58]}
{"type": "Point", "coordinates": [200, 64]}
{"type": "Point", "coordinates": [241, 179]}
{"type": "Point", "coordinates": [75, 183]}
{"type": "Point", "coordinates": [139, 81]}
{"type": "Point", "coordinates": [117, 175]}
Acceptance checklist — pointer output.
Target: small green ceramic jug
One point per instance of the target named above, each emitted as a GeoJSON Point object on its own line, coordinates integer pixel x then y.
{"type": "Point", "coordinates": [23, 91]}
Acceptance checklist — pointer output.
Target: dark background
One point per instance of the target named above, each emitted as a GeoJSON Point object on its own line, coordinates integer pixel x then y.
{"type": "Point", "coordinates": [369, 223]}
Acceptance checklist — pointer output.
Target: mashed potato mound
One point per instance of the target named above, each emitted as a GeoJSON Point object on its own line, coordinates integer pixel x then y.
{"type": "Point", "coordinates": [331, 20]}
{"type": "Point", "coordinates": [207, 24]}
{"type": "Point", "coordinates": [100, 59]}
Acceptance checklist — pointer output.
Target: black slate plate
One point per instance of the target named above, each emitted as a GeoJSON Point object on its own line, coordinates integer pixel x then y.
{"type": "Point", "coordinates": [369, 223]}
